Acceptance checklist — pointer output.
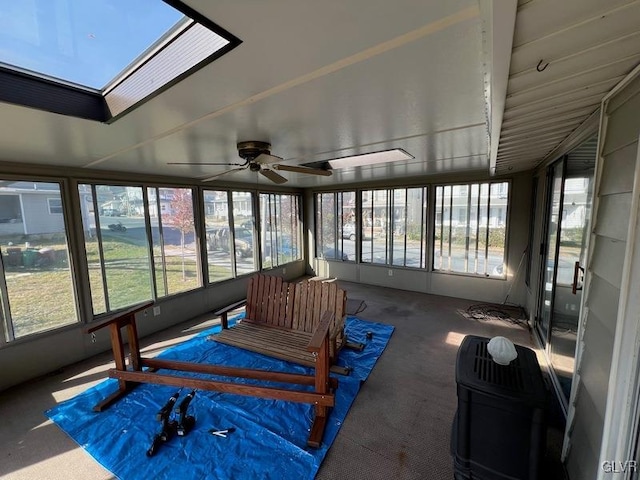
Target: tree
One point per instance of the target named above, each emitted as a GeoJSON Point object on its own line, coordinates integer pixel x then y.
{"type": "Point", "coordinates": [181, 217]}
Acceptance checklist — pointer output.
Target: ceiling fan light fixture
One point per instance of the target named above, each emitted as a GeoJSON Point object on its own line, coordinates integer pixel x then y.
{"type": "Point", "coordinates": [365, 159]}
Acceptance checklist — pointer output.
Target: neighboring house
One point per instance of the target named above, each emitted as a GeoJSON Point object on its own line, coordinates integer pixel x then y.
{"type": "Point", "coordinates": [30, 208]}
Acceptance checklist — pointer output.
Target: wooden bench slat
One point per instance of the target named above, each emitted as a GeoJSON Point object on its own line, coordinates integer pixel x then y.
{"type": "Point", "coordinates": [251, 310]}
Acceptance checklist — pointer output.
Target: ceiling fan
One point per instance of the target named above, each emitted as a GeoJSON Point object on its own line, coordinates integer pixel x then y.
{"type": "Point", "coordinates": [257, 158]}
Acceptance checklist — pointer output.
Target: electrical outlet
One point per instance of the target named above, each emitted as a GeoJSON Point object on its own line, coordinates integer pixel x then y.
{"type": "Point", "coordinates": [146, 312]}
{"type": "Point", "coordinates": [390, 272]}
{"type": "Point", "coordinates": [284, 271]}
{"type": "Point", "coordinates": [156, 311]}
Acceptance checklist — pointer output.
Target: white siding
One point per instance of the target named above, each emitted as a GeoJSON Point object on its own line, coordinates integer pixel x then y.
{"type": "Point", "coordinates": [37, 218]}
{"type": "Point", "coordinates": [604, 279]}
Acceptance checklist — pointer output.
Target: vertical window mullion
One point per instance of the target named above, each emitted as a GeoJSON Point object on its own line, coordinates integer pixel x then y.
{"type": "Point", "coordinates": [423, 228]}
{"type": "Point", "coordinates": [161, 239]}
{"type": "Point", "coordinates": [103, 270]}
{"type": "Point", "coordinates": [406, 212]}
{"type": "Point", "coordinates": [450, 224]}
{"type": "Point", "coordinates": [270, 200]}
{"type": "Point", "coordinates": [467, 231]}
{"type": "Point", "coordinates": [486, 245]}
{"type": "Point", "coordinates": [5, 311]}
{"type": "Point", "coordinates": [388, 239]}
{"type": "Point", "coordinates": [232, 234]}
{"type": "Point", "coordinates": [475, 268]}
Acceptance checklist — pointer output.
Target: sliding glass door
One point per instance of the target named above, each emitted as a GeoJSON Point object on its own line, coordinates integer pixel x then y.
{"type": "Point", "coordinates": [568, 210]}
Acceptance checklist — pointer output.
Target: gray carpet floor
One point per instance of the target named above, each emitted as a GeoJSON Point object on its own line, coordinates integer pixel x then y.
{"type": "Point", "coordinates": [398, 427]}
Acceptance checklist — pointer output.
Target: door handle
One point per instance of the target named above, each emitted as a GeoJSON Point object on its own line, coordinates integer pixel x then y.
{"type": "Point", "coordinates": [577, 271]}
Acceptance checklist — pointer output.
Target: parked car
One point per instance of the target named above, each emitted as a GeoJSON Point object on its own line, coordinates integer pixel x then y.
{"type": "Point", "coordinates": [349, 231]}
{"type": "Point", "coordinates": [218, 239]}
{"type": "Point", "coordinates": [112, 212]}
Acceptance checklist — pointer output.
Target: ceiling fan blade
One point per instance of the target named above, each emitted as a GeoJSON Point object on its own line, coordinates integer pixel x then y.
{"type": "Point", "coordinates": [207, 163]}
{"type": "Point", "coordinates": [273, 176]}
{"type": "Point", "coordinates": [265, 159]}
{"type": "Point", "coordinates": [297, 169]}
{"type": "Point", "coordinates": [213, 177]}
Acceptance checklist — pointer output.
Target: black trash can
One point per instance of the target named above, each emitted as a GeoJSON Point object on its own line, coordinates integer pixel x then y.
{"type": "Point", "coordinates": [499, 429]}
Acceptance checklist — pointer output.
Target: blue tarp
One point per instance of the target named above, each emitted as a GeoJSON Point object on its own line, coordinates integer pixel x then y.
{"type": "Point", "coordinates": [270, 436]}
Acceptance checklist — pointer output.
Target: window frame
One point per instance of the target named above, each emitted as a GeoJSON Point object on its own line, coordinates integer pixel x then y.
{"type": "Point", "coordinates": [480, 207]}
{"type": "Point", "coordinates": [61, 212]}
{"type": "Point", "coordinates": [338, 225]}
{"type": "Point", "coordinates": [144, 186]}
{"type": "Point", "coordinates": [230, 225]}
{"type": "Point", "coordinates": [388, 229]}
{"type": "Point", "coordinates": [273, 215]}
{"type": "Point", "coordinates": [7, 329]}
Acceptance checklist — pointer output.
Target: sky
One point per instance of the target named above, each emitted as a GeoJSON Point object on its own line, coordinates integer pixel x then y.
{"type": "Point", "coordinates": [87, 42]}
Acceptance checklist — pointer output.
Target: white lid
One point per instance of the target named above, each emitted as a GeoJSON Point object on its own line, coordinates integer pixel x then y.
{"type": "Point", "coordinates": [502, 350]}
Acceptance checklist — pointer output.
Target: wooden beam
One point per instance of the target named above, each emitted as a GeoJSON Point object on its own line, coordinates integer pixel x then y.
{"type": "Point", "coordinates": [233, 372]}
{"type": "Point", "coordinates": [323, 399]}
{"type": "Point", "coordinates": [321, 332]}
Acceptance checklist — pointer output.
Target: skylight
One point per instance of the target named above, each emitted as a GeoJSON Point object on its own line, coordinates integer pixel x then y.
{"type": "Point", "coordinates": [370, 158]}
{"type": "Point", "coordinates": [123, 50]}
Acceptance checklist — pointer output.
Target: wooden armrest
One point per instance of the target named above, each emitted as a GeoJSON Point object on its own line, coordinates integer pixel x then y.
{"type": "Point", "coordinates": [229, 308]}
{"type": "Point", "coordinates": [321, 332]}
{"type": "Point", "coordinates": [118, 316]}
{"type": "Point", "coordinates": [222, 313]}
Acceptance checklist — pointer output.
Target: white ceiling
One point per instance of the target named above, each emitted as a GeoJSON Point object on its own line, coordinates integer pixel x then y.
{"type": "Point", "coordinates": [566, 56]}
{"type": "Point", "coordinates": [325, 80]}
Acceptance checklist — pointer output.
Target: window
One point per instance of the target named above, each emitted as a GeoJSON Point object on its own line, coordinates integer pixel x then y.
{"type": "Point", "coordinates": [336, 225]}
{"type": "Point", "coordinates": [36, 286]}
{"type": "Point", "coordinates": [409, 232]}
{"type": "Point", "coordinates": [175, 256]}
{"type": "Point", "coordinates": [279, 229]}
{"type": "Point", "coordinates": [55, 206]}
{"type": "Point", "coordinates": [98, 59]}
{"type": "Point", "coordinates": [393, 231]}
{"type": "Point", "coordinates": [230, 236]}
{"type": "Point", "coordinates": [131, 260]}
{"type": "Point", "coordinates": [470, 228]}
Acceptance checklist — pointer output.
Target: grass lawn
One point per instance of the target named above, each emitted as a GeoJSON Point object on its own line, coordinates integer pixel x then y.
{"type": "Point", "coordinates": [41, 297]}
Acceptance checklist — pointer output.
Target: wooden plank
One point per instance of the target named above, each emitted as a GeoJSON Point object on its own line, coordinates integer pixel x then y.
{"type": "Point", "coordinates": [317, 431]}
{"type": "Point", "coordinates": [283, 337]}
{"type": "Point", "coordinates": [331, 301]}
{"type": "Point", "coordinates": [134, 346]}
{"type": "Point", "coordinates": [260, 295]}
{"type": "Point", "coordinates": [270, 300]}
{"type": "Point", "coordinates": [331, 305]}
{"type": "Point", "coordinates": [291, 295]}
{"type": "Point", "coordinates": [118, 317]}
{"type": "Point", "coordinates": [264, 375]}
{"type": "Point", "coordinates": [341, 304]}
{"type": "Point", "coordinates": [321, 333]}
{"type": "Point", "coordinates": [326, 399]}
{"type": "Point", "coordinates": [299, 301]}
{"type": "Point", "coordinates": [285, 318]}
{"type": "Point", "coordinates": [278, 306]}
{"type": "Point", "coordinates": [308, 308]}
{"type": "Point", "coordinates": [117, 346]}
{"type": "Point", "coordinates": [251, 301]}
{"type": "Point", "coordinates": [324, 303]}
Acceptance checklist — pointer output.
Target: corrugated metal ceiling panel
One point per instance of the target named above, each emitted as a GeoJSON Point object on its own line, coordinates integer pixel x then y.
{"type": "Point", "coordinates": [566, 56]}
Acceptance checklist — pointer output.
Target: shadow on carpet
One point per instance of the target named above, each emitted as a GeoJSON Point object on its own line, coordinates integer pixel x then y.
{"type": "Point", "coordinates": [268, 438]}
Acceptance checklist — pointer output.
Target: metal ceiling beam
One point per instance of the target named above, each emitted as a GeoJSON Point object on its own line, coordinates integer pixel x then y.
{"type": "Point", "coordinates": [499, 20]}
